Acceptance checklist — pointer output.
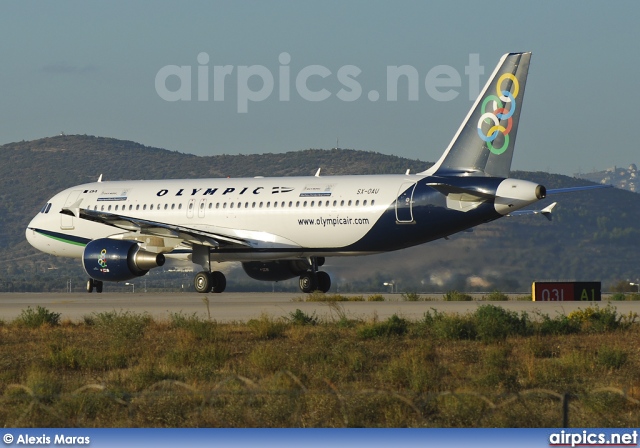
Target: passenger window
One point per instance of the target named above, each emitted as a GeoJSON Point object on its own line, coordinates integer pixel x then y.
{"type": "Point", "coordinates": [364, 202]}
{"type": "Point", "coordinates": [373, 201]}
{"type": "Point", "coordinates": [151, 207]}
{"type": "Point", "coordinates": [144, 207]}
{"type": "Point", "coordinates": [357, 203]}
{"type": "Point", "coordinates": [137, 206]}
{"type": "Point", "coordinates": [109, 208]}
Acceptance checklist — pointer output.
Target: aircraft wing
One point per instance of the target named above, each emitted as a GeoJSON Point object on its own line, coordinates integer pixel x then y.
{"type": "Point", "coordinates": [546, 212]}
{"type": "Point", "coordinates": [572, 189]}
{"type": "Point", "coordinates": [447, 189]}
{"type": "Point", "coordinates": [154, 228]}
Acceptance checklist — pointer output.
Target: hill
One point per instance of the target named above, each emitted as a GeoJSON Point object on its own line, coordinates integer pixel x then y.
{"type": "Point", "coordinates": [594, 235]}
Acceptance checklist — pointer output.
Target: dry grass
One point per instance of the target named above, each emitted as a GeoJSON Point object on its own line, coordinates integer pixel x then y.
{"type": "Point", "coordinates": [122, 370]}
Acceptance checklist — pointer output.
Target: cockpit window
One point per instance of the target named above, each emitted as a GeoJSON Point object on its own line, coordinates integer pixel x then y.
{"type": "Point", "coordinates": [47, 208]}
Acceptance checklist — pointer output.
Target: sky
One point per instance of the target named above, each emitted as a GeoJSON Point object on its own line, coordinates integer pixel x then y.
{"type": "Point", "coordinates": [252, 77]}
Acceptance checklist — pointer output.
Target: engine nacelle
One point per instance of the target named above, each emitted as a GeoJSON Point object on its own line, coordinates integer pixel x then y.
{"type": "Point", "coordinates": [276, 271]}
{"type": "Point", "coordinates": [118, 260]}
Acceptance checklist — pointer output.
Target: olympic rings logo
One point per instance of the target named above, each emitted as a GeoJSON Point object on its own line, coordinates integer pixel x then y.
{"type": "Point", "coordinates": [102, 259]}
{"type": "Point", "coordinates": [500, 112]}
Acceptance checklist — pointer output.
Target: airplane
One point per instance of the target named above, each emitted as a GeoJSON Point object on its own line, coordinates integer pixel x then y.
{"type": "Point", "coordinates": [285, 227]}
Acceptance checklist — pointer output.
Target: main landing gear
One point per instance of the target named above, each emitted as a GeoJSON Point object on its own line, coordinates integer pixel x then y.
{"type": "Point", "coordinates": [210, 282]}
{"type": "Point", "coordinates": [314, 280]}
{"type": "Point", "coordinates": [94, 284]}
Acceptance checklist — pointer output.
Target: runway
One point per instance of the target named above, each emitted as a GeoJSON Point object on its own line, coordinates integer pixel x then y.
{"type": "Point", "coordinates": [241, 307]}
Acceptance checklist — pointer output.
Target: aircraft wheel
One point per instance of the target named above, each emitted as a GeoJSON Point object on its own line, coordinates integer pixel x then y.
{"type": "Point", "coordinates": [98, 284]}
{"type": "Point", "coordinates": [307, 282]}
{"type": "Point", "coordinates": [202, 282]}
{"type": "Point", "coordinates": [90, 285]}
{"type": "Point", "coordinates": [219, 282]}
{"type": "Point", "coordinates": [324, 281]}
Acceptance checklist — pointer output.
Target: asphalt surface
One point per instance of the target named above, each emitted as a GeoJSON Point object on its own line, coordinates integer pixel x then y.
{"type": "Point", "coordinates": [240, 307]}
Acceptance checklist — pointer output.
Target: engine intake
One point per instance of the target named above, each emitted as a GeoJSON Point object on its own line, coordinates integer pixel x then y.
{"type": "Point", "coordinates": [118, 260]}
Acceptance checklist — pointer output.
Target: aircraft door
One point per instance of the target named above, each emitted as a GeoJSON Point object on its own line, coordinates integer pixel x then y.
{"type": "Point", "coordinates": [404, 203]}
{"type": "Point", "coordinates": [66, 221]}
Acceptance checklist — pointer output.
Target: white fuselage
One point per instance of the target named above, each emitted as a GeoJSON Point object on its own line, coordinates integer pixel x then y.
{"type": "Point", "coordinates": [285, 213]}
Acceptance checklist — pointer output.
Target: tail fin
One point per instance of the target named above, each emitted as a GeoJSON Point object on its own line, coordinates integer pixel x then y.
{"type": "Point", "coordinates": [484, 142]}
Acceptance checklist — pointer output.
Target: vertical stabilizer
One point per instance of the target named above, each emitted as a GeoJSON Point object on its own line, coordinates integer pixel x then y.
{"type": "Point", "coordinates": [484, 142]}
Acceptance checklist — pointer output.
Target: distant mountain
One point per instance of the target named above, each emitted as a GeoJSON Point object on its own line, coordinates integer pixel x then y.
{"type": "Point", "coordinates": [595, 235]}
{"type": "Point", "coordinates": [623, 178]}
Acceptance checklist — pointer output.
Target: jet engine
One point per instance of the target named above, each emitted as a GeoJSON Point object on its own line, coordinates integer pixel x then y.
{"type": "Point", "coordinates": [118, 260]}
{"type": "Point", "coordinates": [275, 271]}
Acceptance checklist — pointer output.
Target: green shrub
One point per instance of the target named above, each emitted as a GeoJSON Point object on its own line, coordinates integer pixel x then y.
{"type": "Point", "coordinates": [393, 326]}
{"type": "Point", "coordinates": [455, 296]}
{"type": "Point", "coordinates": [121, 326]}
{"type": "Point", "coordinates": [619, 296]}
{"type": "Point", "coordinates": [266, 327]}
{"type": "Point", "coordinates": [594, 319]}
{"type": "Point", "coordinates": [495, 323]}
{"type": "Point", "coordinates": [301, 318]}
{"type": "Point", "coordinates": [496, 296]}
{"type": "Point", "coordinates": [375, 298]}
{"type": "Point", "coordinates": [200, 329]}
{"type": "Point", "coordinates": [561, 325]}
{"type": "Point", "coordinates": [411, 296]}
{"type": "Point", "coordinates": [324, 297]}
{"type": "Point", "coordinates": [31, 318]}
{"type": "Point", "coordinates": [449, 326]}
{"type": "Point", "coordinates": [611, 358]}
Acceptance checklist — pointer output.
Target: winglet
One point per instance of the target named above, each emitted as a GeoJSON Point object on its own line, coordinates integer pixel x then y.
{"type": "Point", "coordinates": [73, 209]}
{"type": "Point", "coordinates": [318, 172]}
{"type": "Point", "coordinates": [100, 178]}
{"type": "Point", "coordinates": [546, 212]}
